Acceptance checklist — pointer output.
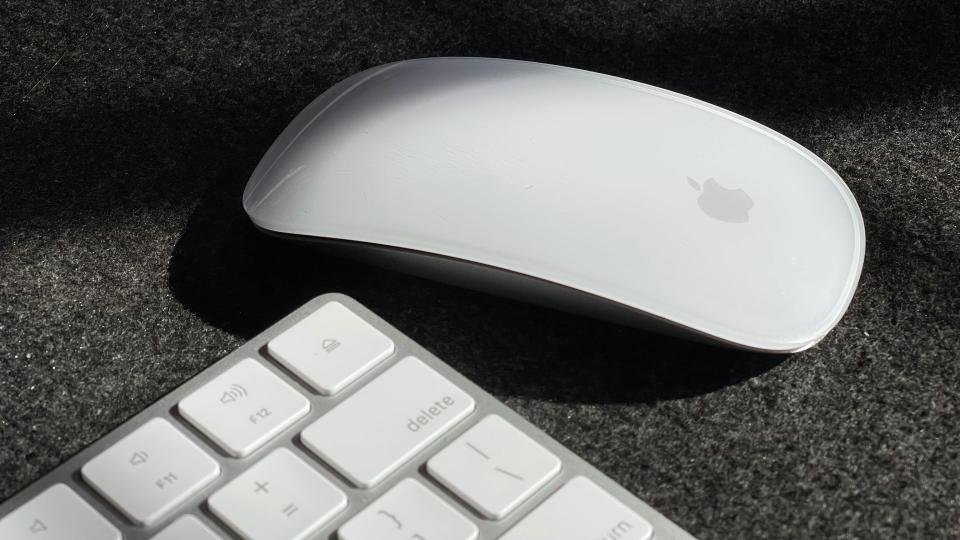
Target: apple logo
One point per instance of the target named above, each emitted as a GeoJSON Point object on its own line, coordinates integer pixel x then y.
{"type": "Point", "coordinates": [718, 202]}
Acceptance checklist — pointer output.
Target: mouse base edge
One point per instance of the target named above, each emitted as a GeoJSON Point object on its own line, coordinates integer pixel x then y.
{"type": "Point", "coordinates": [515, 286]}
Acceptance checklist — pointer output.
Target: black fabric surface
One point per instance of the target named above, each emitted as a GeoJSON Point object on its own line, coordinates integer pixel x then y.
{"type": "Point", "coordinates": [127, 265]}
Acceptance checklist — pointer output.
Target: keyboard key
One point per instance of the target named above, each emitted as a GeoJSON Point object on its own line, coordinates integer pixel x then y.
{"type": "Point", "coordinates": [408, 510]}
{"type": "Point", "coordinates": [494, 467]}
{"type": "Point", "coordinates": [187, 528]}
{"type": "Point", "coordinates": [278, 498]}
{"type": "Point", "coordinates": [56, 514]}
{"type": "Point", "coordinates": [385, 423]}
{"type": "Point", "coordinates": [150, 471]}
{"type": "Point", "coordinates": [244, 407]}
{"type": "Point", "coordinates": [581, 509]}
{"type": "Point", "coordinates": [330, 348]}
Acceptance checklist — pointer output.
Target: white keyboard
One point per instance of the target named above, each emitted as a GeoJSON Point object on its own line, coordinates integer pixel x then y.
{"type": "Point", "coordinates": [329, 425]}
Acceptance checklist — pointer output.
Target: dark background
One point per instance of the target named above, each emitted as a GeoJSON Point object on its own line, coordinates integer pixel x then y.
{"type": "Point", "coordinates": [127, 265]}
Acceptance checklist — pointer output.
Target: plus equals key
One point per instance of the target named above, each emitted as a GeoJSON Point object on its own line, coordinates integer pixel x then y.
{"type": "Point", "coordinates": [289, 510]}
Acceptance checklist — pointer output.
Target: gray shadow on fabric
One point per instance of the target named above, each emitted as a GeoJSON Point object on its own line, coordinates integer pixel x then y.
{"type": "Point", "coordinates": [750, 59]}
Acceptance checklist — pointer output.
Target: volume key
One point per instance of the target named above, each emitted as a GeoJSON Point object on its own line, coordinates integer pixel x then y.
{"type": "Point", "coordinates": [150, 471]}
{"type": "Point", "coordinates": [244, 407]}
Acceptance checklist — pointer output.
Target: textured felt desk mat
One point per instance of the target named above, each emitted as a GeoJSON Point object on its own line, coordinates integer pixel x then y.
{"type": "Point", "coordinates": [127, 265]}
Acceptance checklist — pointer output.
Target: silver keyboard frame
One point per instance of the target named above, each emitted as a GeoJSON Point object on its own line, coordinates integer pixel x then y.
{"type": "Point", "coordinates": [166, 407]}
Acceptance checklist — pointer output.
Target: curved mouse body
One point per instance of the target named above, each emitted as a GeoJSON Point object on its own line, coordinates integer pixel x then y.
{"type": "Point", "coordinates": [658, 206]}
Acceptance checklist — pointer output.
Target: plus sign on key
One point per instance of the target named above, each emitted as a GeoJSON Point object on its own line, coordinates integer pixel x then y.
{"type": "Point", "coordinates": [280, 497]}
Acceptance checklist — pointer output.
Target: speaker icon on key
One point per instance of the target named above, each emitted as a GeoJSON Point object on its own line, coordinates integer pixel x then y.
{"type": "Point", "coordinates": [139, 458]}
{"type": "Point", "coordinates": [233, 393]}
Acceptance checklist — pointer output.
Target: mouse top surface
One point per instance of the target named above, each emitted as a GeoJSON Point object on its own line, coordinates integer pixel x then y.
{"type": "Point", "coordinates": [675, 208]}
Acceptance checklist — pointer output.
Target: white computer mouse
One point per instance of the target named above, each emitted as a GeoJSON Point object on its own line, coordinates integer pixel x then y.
{"type": "Point", "coordinates": [572, 188]}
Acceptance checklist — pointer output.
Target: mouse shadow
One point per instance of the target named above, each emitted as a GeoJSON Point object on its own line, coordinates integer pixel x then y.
{"type": "Point", "coordinates": [242, 280]}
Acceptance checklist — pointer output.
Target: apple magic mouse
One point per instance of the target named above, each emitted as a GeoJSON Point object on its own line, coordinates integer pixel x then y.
{"type": "Point", "coordinates": [583, 191]}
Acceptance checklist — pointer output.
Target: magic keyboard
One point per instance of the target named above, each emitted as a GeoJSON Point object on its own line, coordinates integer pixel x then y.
{"type": "Point", "coordinates": [331, 424]}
